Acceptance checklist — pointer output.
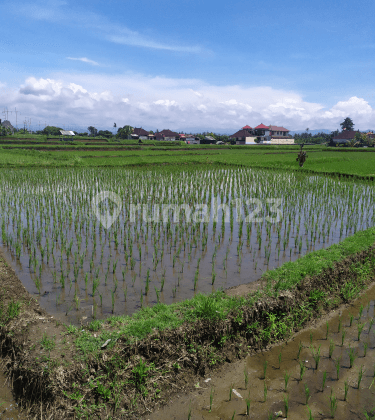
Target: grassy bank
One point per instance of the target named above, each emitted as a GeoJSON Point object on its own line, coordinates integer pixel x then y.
{"type": "Point", "coordinates": [68, 371]}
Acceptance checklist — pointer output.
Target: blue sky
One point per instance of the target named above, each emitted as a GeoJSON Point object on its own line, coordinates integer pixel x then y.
{"type": "Point", "coordinates": [188, 65]}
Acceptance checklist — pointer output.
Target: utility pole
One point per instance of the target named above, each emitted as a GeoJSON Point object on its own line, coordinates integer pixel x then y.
{"type": "Point", "coordinates": [6, 112]}
{"type": "Point", "coordinates": [16, 112]}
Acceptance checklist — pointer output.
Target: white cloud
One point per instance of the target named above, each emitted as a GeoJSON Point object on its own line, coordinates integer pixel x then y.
{"type": "Point", "coordinates": [158, 102]}
{"type": "Point", "coordinates": [85, 60]}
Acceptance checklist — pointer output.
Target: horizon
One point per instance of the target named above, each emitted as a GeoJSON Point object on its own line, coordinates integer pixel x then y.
{"type": "Point", "coordinates": [191, 67]}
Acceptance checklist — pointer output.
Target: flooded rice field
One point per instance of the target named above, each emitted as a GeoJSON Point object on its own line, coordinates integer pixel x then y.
{"type": "Point", "coordinates": [88, 243]}
{"type": "Point", "coordinates": [324, 372]}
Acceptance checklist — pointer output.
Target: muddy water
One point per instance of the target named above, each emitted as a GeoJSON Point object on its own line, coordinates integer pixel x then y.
{"type": "Point", "coordinates": [231, 376]}
{"type": "Point", "coordinates": [8, 407]}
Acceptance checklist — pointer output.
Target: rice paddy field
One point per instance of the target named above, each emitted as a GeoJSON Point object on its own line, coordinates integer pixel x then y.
{"type": "Point", "coordinates": [176, 232]}
{"type": "Point", "coordinates": [156, 236]}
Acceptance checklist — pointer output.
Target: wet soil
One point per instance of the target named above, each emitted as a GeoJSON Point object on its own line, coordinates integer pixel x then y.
{"type": "Point", "coordinates": [359, 400]}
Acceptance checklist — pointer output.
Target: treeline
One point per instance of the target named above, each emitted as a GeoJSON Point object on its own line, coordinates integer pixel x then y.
{"type": "Point", "coordinates": [317, 138]}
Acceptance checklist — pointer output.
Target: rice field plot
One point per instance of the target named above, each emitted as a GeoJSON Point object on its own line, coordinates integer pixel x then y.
{"type": "Point", "coordinates": [175, 232]}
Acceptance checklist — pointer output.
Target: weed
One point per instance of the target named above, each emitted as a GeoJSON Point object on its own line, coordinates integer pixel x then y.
{"type": "Point", "coordinates": [327, 330]}
{"type": "Point", "coordinates": [280, 355]}
{"type": "Point", "coordinates": [48, 343]}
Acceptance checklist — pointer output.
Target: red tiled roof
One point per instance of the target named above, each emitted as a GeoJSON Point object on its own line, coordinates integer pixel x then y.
{"type": "Point", "coordinates": [276, 128]}
{"type": "Point", "coordinates": [247, 127]}
{"type": "Point", "coordinates": [241, 133]}
{"type": "Point", "coordinates": [261, 126]}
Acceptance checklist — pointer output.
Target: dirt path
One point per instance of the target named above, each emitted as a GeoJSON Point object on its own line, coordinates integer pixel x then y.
{"type": "Point", "coordinates": [231, 376]}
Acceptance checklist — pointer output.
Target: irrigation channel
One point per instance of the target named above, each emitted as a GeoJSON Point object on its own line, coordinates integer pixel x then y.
{"type": "Point", "coordinates": [242, 222]}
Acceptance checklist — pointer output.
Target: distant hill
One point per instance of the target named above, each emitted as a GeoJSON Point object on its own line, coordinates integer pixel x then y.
{"type": "Point", "coordinates": [312, 132]}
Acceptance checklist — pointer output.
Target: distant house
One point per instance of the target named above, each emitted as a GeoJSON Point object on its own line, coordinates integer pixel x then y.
{"type": "Point", "coordinates": [140, 133]}
{"type": "Point", "coordinates": [263, 134]}
{"type": "Point", "coordinates": [345, 136]}
{"type": "Point", "coordinates": [244, 136]}
{"type": "Point", "coordinates": [208, 140]}
{"type": "Point", "coordinates": [167, 135]}
{"type": "Point", "coordinates": [191, 139]}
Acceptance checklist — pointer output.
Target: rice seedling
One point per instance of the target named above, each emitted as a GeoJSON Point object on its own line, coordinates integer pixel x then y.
{"type": "Point", "coordinates": [286, 405]}
{"type": "Point", "coordinates": [246, 374]}
{"type": "Point", "coordinates": [360, 312]}
{"type": "Point", "coordinates": [309, 413]}
{"type": "Point", "coordinates": [327, 330]}
{"type": "Point", "coordinates": [324, 380]}
{"type": "Point", "coordinates": [248, 403]}
{"type": "Point", "coordinates": [316, 356]}
{"type": "Point", "coordinates": [279, 357]}
{"type": "Point", "coordinates": [352, 356]}
{"type": "Point", "coordinates": [346, 389]}
{"type": "Point", "coordinates": [265, 389]}
{"type": "Point", "coordinates": [307, 394]}
{"type": "Point", "coordinates": [343, 337]}
{"type": "Point", "coordinates": [212, 393]}
{"type": "Point", "coordinates": [286, 380]}
{"type": "Point", "coordinates": [360, 374]}
{"type": "Point", "coordinates": [265, 364]}
{"type": "Point", "coordinates": [300, 346]}
{"type": "Point", "coordinates": [360, 329]}
{"type": "Point", "coordinates": [332, 404]}
{"type": "Point", "coordinates": [351, 320]}
{"type": "Point", "coordinates": [331, 349]}
{"type": "Point", "coordinates": [302, 369]}
{"type": "Point", "coordinates": [337, 366]}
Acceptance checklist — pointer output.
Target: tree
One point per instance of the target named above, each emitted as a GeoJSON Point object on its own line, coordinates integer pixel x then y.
{"type": "Point", "coordinates": [51, 130]}
{"type": "Point", "coordinates": [5, 131]}
{"type": "Point", "coordinates": [124, 132]}
{"type": "Point", "coordinates": [105, 133]}
{"type": "Point", "coordinates": [93, 131]}
{"type": "Point", "coordinates": [347, 124]}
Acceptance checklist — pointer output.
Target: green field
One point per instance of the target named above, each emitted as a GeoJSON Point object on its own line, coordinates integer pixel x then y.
{"type": "Point", "coordinates": [320, 160]}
